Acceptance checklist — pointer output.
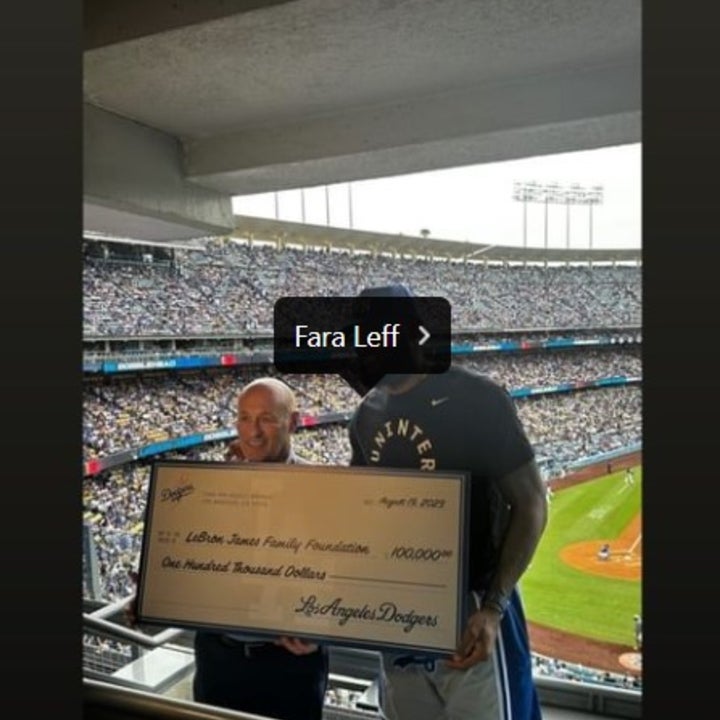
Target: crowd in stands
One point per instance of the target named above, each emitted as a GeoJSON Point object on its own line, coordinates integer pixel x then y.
{"type": "Point", "coordinates": [126, 411]}
{"type": "Point", "coordinates": [550, 367]}
{"type": "Point", "coordinates": [563, 428]}
{"type": "Point", "coordinates": [114, 507]}
{"type": "Point", "coordinates": [552, 667]}
{"type": "Point", "coordinates": [567, 427]}
{"type": "Point", "coordinates": [231, 287]}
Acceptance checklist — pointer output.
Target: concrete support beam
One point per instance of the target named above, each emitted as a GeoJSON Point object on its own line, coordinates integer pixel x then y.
{"type": "Point", "coordinates": [584, 109]}
{"type": "Point", "coordinates": [137, 170]}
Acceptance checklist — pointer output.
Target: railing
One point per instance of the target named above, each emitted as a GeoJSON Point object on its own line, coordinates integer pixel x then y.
{"type": "Point", "coordinates": [93, 622]}
{"type": "Point", "coordinates": [351, 671]}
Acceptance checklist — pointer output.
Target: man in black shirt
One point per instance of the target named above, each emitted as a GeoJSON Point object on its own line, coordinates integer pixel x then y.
{"type": "Point", "coordinates": [463, 421]}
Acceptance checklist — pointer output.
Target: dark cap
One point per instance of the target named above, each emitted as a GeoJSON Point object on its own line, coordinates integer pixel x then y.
{"type": "Point", "coordinates": [396, 290]}
{"type": "Point", "coordinates": [368, 370]}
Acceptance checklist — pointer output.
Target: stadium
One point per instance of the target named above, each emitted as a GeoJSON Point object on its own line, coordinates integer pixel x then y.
{"type": "Point", "coordinates": [161, 369]}
{"type": "Point", "coordinates": [193, 106]}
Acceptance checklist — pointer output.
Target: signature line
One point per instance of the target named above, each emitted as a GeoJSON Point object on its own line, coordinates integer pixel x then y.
{"type": "Point", "coordinates": [382, 580]}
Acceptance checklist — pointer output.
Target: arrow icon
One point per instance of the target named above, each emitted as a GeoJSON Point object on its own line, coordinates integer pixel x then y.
{"type": "Point", "coordinates": [425, 337]}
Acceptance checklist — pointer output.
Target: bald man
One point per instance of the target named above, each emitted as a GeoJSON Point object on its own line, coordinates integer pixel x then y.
{"type": "Point", "coordinates": [267, 416]}
{"type": "Point", "coordinates": [285, 679]}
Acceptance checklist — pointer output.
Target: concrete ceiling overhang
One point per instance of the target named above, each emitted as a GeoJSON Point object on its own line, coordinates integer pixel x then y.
{"type": "Point", "coordinates": [264, 96]}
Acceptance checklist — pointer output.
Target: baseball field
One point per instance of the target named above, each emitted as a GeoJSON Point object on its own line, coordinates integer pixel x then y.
{"type": "Point", "coordinates": [568, 588]}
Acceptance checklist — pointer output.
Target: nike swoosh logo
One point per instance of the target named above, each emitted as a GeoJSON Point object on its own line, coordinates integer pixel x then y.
{"type": "Point", "coordinates": [438, 401]}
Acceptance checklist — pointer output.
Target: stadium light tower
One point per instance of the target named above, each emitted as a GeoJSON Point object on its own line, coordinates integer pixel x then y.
{"type": "Point", "coordinates": [593, 196]}
{"type": "Point", "coordinates": [573, 196]}
{"type": "Point", "coordinates": [553, 194]}
{"type": "Point", "coordinates": [548, 193]}
{"type": "Point", "coordinates": [526, 192]}
{"type": "Point", "coordinates": [350, 204]}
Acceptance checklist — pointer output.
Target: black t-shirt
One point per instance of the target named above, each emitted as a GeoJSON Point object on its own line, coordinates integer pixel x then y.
{"type": "Point", "coordinates": [455, 421]}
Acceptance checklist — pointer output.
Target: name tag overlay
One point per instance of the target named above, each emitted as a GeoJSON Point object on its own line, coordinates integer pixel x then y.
{"type": "Point", "coordinates": [350, 556]}
{"type": "Point", "coordinates": [385, 335]}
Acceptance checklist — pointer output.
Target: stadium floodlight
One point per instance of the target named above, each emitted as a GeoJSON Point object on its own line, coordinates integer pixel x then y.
{"type": "Point", "coordinates": [526, 192]}
{"type": "Point", "coordinates": [553, 193]}
{"type": "Point", "coordinates": [545, 193]}
{"type": "Point", "coordinates": [594, 196]}
{"type": "Point", "coordinates": [350, 205]}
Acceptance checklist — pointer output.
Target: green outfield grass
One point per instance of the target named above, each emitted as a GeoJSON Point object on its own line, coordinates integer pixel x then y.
{"type": "Point", "coordinates": [559, 596]}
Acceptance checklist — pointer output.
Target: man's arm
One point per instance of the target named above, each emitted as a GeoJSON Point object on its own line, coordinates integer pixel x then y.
{"type": "Point", "coordinates": [524, 491]}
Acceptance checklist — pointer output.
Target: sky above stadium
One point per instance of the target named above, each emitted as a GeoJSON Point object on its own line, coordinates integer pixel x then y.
{"type": "Point", "coordinates": [475, 203]}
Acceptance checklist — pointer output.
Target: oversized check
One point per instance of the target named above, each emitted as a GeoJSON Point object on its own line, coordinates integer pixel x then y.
{"type": "Point", "coordinates": [351, 556]}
